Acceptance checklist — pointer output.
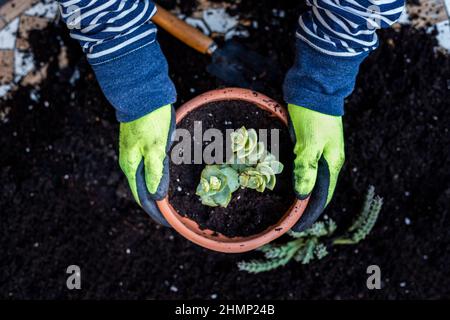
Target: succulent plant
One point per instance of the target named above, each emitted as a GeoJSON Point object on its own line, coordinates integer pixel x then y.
{"type": "Point", "coordinates": [314, 242]}
{"type": "Point", "coordinates": [247, 151]}
{"type": "Point", "coordinates": [253, 179]}
{"type": "Point", "coordinates": [245, 143]}
{"type": "Point", "coordinates": [267, 169]}
{"type": "Point", "coordinates": [261, 176]}
{"type": "Point", "coordinates": [250, 166]}
{"type": "Point", "coordinates": [217, 183]}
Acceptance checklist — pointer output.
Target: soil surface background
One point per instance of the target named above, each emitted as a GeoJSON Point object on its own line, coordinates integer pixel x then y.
{"type": "Point", "coordinates": [64, 200]}
{"type": "Point", "coordinates": [249, 211]}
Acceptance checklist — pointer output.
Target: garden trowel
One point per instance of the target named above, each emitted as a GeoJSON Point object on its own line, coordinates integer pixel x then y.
{"type": "Point", "coordinates": [234, 64]}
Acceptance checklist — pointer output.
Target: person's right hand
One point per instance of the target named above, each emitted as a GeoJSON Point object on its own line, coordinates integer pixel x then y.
{"type": "Point", "coordinates": [143, 147]}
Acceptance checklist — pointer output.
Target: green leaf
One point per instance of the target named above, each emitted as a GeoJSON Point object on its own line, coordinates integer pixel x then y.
{"type": "Point", "coordinates": [271, 183]}
{"type": "Point", "coordinates": [223, 197]}
{"type": "Point", "coordinates": [277, 167]}
{"type": "Point", "coordinates": [321, 251]}
{"type": "Point", "coordinates": [364, 228]}
{"type": "Point", "coordinates": [232, 178]}
{"type": "Point", "coordinates": [208, 201]}
{"type": "Point", "coordinates": [239, 139]}
{"type": "Point", "coordinates": [253, 179]}
{"type": "Point", "coordinates": [261, 185]}
{"type": "Point", "coordinates": [309, 251]}
{"type": "Point", "coordinates": [365, 210]}
{"type": "Point", "coordinates": [318, 229]}
{"type": "Point", "coordinates": [365, 222]}
{"type": "Point", "coordinates": [214, 183]}
{"type": "Point", "coordinates": [257, 153]}
{"type": "Point", "coordinates": [257, 266]}
{"type": "Point", "coordinates": [265, 170]}
{"type": "Point", "coordinates": [251, 142]}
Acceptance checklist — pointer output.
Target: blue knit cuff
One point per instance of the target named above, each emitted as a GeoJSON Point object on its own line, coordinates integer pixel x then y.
{"type": "Point", "coordinates": [320, 82]}
{"type": "Point", "coordinates": [137, 82]}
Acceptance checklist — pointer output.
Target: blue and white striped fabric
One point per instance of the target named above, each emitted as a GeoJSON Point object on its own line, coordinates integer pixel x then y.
{"type": "Point", "coordinates": [120, 43]}
{"type": "Point", "coordinates": [346, 28]}
{"type": "Point", "coordinates": [107, 29]}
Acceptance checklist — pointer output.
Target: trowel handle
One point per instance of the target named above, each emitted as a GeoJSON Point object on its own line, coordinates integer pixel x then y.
{"type": "Point", "coordinates": [183, 31]}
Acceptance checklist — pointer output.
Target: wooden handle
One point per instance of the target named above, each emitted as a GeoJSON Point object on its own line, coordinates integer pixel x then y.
{"type": "Point", "coordinates": [183, 31]}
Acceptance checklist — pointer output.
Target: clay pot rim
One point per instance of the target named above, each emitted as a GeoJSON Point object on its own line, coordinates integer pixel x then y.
{"type": "Point", "coordinates": [207, 238]}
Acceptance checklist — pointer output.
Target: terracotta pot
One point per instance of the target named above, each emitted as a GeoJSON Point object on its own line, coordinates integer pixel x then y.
{"type": "Point", "coordinates": [189, 228]}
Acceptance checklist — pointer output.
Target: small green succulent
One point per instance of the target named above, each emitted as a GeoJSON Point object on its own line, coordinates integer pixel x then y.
{"type": "Point", "coordinates": [252, 179]}
{"type": "Point", "coordinates": [262, 175]}
{"type": "Point", "coordinates": [244, 143]}
{"type": "Point", "coordinates": [250, 166]}
{"type": "Point", "coordinates": [217, 183]}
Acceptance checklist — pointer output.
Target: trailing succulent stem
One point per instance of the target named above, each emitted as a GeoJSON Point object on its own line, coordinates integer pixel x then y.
{"type": "Point", "coordinates": [251, 166]}
{"type": "Point", "coordinates": [365, 221]}
{"type": "Point", "coordinates": [304, 248]}
{"type": "Point", "coordinates": [314, 242]}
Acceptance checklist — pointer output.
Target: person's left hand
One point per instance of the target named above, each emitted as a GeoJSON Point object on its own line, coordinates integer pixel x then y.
{"type": "Point", "coordinates": [319, 151]}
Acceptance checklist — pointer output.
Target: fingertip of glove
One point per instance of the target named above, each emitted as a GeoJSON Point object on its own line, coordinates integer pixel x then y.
{"type": "Point", "coordinates": [152, 209]}
{"type": "Point", "coordinates": [147, 200]}
{"type": "Point", "coordinates": [163, 187]}
{"type": "Point", "coordinates": [302, 196]}
{"type": "Point", "coordinates": [299, 195]}
{"type": "Point", "coordinates": [302, 225]}
{"type": "Point", "coordinates": [312, 212]}
{"type": "Point", "coordinates": [172, 128]}
{"type": "Point", "coordinates": [318, 198]}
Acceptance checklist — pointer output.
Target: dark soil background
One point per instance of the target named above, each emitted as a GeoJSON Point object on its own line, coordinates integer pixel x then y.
{"type": "Point", "coordinates": [64, 201]}
{"type": "Point", "coordinates": [249, 211]}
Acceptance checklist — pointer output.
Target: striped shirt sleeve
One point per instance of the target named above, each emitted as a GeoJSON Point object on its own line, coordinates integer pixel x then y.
{"type": "Point", "coordinates": [107, 29]}
{"type": "Point", "coordinates": [346, 28]}
{"type": "Point", "coordinates": [119, 41]}
{"type": "Point", "coordinates": [333, 38]}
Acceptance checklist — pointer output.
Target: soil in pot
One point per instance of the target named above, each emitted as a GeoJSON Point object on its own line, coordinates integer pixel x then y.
{"type": "Point", "coordinates": [249, 211]}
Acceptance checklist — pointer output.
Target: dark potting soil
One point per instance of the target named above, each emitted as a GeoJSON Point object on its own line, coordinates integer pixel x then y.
{"type": "Point", "coordinates": [64, 201]}
{"type": "Point", "coordinates": [249, 211]}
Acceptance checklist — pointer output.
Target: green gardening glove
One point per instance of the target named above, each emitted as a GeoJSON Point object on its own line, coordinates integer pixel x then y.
{"type": "Point", "coordinates": [143, 147]}
{"type": "Point", "coordinates": [319, 156]}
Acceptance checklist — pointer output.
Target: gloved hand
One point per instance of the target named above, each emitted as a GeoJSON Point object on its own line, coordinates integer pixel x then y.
{"type": "Point", "coordinates": [143, 147]}
{"type": "Point", "coordinates": [319, 151]}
